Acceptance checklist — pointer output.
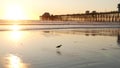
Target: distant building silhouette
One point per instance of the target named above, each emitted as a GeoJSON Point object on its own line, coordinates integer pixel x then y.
{"type": "Point", "coordinates": [45, 16]}
{"type": "Point", "coordinates": [87, 12]}
{"type": "Point", "coordinates": [94, 12]}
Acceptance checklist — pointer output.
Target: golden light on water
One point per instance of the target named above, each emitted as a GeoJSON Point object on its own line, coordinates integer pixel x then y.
{"type": "Point", "coordinates": [16, 35]}
{"type": "Point", "coordinates": [15, 32]}
{"type": "Point", "coordinates": [15, 27]}
{"type": "Point", "coordinates": [14, 61]}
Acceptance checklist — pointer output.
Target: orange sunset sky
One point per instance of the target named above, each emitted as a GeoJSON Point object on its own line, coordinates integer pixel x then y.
{"type": "Point", "coordinates": [32, 9]}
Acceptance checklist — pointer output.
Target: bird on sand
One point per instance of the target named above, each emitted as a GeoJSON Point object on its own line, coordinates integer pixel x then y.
{"type": "Point", "coordinates": [58, 46]}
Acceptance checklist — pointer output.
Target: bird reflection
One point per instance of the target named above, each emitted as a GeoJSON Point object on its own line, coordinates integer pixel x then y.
{"type": "Point", "coordinates": [14, 61]}
{"type": "Point", "coordinates": [58, 52]}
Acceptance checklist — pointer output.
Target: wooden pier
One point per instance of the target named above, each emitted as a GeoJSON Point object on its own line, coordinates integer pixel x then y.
{"type": "Point", "coordinates": [91, 17]}
{"type": "Point", "coordinates": [112, 16]}
{"type": "Point", "coordinates": [87, 17]}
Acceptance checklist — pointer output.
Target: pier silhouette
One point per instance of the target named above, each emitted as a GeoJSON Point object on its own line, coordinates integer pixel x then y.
{"type": "Point", "coordinates": [94, 16]}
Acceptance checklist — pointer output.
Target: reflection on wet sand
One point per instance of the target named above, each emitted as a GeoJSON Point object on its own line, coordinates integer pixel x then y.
{"type": "Point", "coordinates": [13, 61]}
{"type": "Point", "coordinates": [87, 32]}
{"type": "Point", "coordinates": [58, 52]}
{"type": "Point", "coordinates": [78, 51]}
{"type": "Point", "coordinates": [118, 40]}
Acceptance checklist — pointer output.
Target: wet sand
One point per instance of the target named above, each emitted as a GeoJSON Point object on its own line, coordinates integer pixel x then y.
{"type": "Point", "coordinates": [81, 48]}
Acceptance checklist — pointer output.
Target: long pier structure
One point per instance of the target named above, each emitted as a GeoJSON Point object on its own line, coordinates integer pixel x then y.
{"type": "Point", "coordinates": [112, 16]}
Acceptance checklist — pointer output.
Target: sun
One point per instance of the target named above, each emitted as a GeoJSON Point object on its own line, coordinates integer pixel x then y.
{"type": "Point", "coordinates": [14, 12]}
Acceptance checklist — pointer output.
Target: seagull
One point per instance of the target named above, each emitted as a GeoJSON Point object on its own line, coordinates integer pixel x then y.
{"type": "Point", "coordinates": [58, 46]}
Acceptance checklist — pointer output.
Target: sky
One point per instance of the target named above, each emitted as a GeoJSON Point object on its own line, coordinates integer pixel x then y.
{"type": "Point", "coordinates": [32, 9]}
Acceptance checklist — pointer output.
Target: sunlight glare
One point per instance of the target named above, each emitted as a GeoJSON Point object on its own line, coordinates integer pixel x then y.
{"type": "Point", "coordinates": [15, 62]}
{"type": "Point", "coordinates": [15, 27]}
{"type": "Point", "coordinates": [15, 33]}
{"type": "Point", "coordinates": [14, 12]}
